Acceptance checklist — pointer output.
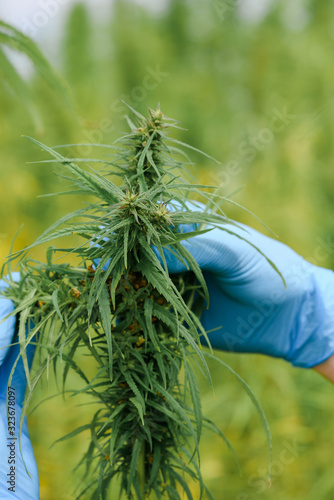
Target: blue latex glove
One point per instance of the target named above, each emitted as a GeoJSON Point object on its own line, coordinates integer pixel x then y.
{"type": "Point", "coordinates": [26, 488]}
{"type": "Point", "coordinates": [249, 301]}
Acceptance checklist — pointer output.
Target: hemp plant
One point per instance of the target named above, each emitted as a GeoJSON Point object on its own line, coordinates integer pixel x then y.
{"type": "Point", "coordinates": [140, 324]}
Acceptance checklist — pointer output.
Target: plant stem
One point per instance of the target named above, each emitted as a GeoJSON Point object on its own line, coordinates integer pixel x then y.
{"type": "Point", "coordinates": [141, 470]}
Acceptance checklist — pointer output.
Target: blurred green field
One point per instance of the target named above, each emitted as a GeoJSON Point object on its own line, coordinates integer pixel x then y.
{"type": "Point", "coordinates": [256, 95]}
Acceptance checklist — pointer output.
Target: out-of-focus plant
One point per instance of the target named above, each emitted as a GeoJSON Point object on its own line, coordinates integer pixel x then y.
{"type": "Point", "coordinates": [12, 38]}
{"type": "Point", "coordinates": [140, 324]}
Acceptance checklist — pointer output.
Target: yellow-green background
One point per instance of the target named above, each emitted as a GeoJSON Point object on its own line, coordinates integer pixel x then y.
{"type": "Point", "coordinates": [224, 78]}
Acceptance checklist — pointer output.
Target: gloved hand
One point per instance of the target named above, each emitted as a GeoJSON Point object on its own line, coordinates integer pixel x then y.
{"type": "Point", "coordinates": [23, 487]}
{"type": "Point", "coordinates": [249, 301]}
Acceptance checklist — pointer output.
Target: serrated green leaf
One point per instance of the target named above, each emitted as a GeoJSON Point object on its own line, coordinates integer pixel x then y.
{"type": "Point", "coordinates": [136, 402]}
{"type": "Point", "coordinates": [148, 312]}
{"type": "Point", "coordinates": [77, 431]}
{"type": "Point", "coordinates": [196, 399]}
{"type": "Point", "coordinates": [134, 388]}
{"type": "Point", "coordinates": [155, 465]}
{"type": "Point", "coordinates": [134, 462]}
{"type": "Point", "coordinates": [55, 303]}
{"type": "Point", "coordinates": [181, 412]}
{"type": "Point", "coordinates": [105, 312]}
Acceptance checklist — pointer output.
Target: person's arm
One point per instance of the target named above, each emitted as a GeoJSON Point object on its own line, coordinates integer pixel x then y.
{"type": "Point", "coordinates": [326, 369]}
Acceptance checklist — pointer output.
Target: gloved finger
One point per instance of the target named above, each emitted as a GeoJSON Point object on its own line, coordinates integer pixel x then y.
{"type": "Point", "coordinates": [23, 485]}
{"type": "Point", "coordinates": [217, 251]}
{"type": "Point", "coordinates": [7, 327]}
{"type": "Point", "coordinates": [19, 379]}
{"type": "Point", "coordinates": [212, 251]}
{"type": "Point", "coordinates": [297, 325]}
{"type": "Point", "coordinates": [241, 257]}
{"type": "Point", "coordinates": [265, 326]}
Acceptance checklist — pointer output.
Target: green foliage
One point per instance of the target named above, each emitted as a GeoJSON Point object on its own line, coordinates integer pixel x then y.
{"type": "Point", "coordinates": [224, 91]}
{"type": "Point", "coordinates": [138, 322]}
{"type": "Point", "coordinates": [12, 38]}
{"type": "Point", "coordinates": [79, 65]}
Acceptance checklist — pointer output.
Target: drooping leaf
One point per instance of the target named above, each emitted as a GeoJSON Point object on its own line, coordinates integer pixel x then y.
{"type": "Point", "coordinates": [105, 312]}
